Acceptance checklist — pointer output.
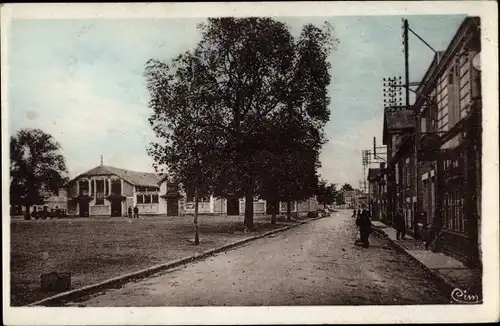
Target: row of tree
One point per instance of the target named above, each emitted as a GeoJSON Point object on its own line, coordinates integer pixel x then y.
{"type": "Point", "coordinates": [38, 170]}
{"type": "Point", "coordinates": [328, 194]}
{"type": "Point", "coordinates": [243, 113]}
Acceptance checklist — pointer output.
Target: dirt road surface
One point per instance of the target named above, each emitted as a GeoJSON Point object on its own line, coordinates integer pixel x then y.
{"type": "Point", "coordinates": [313, 264]}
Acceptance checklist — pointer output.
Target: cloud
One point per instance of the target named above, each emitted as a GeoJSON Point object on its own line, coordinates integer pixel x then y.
{"type": "Point", "coordinates": [81, 81]}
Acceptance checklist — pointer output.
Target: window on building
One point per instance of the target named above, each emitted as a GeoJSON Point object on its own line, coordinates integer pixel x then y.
{"type": "Point", "coordinates": [154, 198]}
{"type": "Point", "coordinates": [116, 187]}
{"type": "Point", "coordinates": [140, 199]}
{"type": "Point", "coordinates": [147, 199]}
{"type": "Point", "coordinates": [442, 101]}
{"type": "Point", "coordinates": [83, 187]}
{"type": "Point", "coordinates": [106, 187]}
{"type": "Point", "coordinates": [423, 124]}
{"type": "Point", "coordinates": [397, 173]}
{"type": "Point", "coordinates": [453, 211]}
{"type": "Point", "coordinates": [99, 185]}
{"type": "Point", "coordinates": [92, 190]}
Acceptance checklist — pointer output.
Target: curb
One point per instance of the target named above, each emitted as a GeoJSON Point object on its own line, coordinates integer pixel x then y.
{"type": "Point", "coordinates": [57, 299]}
{"type": "Point", "coordinates": [445, 285]}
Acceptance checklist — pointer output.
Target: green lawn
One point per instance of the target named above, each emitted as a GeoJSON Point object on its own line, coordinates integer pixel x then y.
{"type": "Point", "coordinates": [94, 250]}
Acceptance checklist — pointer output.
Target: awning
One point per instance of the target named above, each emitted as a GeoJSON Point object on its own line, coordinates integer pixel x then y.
{"type": "Point", "coordinates": [173, 195]}
{"type": "Point", "coordinates": [82, 198]}
{"type": "Point", "coordinates": [116, 197]}
{"type": "Point", "coordinates": [430, 147]}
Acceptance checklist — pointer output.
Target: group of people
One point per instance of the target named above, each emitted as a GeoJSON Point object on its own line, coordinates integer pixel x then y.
{"type": "Point", "coordinates": [135, 212]}
{"type": "Point", "coordinates": [364, 223]}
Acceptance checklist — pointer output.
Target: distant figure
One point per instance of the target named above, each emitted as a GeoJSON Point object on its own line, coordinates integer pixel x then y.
{"type": "Point", "coordinates": [365, 227]}
{"type": "Point", "coordinates": [136, 212]}
{"type": "Point", "coordinates": [399, 225]}
{"type": "Point", "coordinates": [130, 212]}
{"type": "Point", "coordinates": [354, 213]}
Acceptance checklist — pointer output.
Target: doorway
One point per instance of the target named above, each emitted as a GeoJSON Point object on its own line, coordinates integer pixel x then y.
{"type": "Point", "coordinates": [233, 206]}
{"type": "Point", "coordinates": [116, 208]}
{"type": "Point", "coordinates": [172, 207]}
{"type": "Point", "coordinates": [84, 208]}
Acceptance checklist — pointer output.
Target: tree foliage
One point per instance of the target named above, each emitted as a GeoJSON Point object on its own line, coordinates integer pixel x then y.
{"type": "Point", "coordinates": [347, 187]}
{"type": "Point", "coordinates": [245, 109]}
{"type": "Point", "coordinates": [37, 168]}
{"type": "Point", "coordinates": [327, 194]}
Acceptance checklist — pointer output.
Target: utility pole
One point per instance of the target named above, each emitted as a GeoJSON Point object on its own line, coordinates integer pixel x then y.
{"type": "Point", "coordinates": [416, 134]}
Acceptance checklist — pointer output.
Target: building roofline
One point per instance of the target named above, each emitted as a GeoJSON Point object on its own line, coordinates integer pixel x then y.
{"type": "Point", "coordinates": [110, 172]}
{"type": "Point", "coordinates": [425, 87]}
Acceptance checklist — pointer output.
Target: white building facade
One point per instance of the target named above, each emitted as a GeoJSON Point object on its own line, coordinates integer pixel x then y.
{"type": "Point", "coordinates": [110, 191]}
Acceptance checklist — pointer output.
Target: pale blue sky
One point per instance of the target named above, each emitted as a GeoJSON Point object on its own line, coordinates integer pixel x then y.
{"type": "Point", "coordinates": [81, 81]}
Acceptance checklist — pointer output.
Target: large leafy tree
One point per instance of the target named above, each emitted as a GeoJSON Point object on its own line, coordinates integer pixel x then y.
{"type": "Point", "coordinates": [327, 194]}
{"type": "Point", "coordinates": [304, 115]}
{"type": "Point", "coordinates": [339, 199]}
{"type": "Point", "coordinates": [244, 80]}
{"type": "Point", "coordinates": [37, 168]}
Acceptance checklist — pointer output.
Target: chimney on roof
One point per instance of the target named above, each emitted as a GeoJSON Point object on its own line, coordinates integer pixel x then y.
{"type": "Point", "coordinates": [101, 159]}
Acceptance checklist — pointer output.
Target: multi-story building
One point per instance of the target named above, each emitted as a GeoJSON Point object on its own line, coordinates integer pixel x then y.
{"type": "Point", "coordinates": [449, 103]}
{"type": "Point", "coordinates": [398, 129]}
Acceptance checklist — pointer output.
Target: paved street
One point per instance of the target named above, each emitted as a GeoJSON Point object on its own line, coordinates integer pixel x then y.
{"type": "Point", "coordinates": [313, 264]}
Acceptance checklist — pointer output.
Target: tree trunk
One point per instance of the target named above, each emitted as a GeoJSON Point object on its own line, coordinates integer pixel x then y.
{"type": "Point", "coordinates": [249, 211]}
{"type": "Point", "coordinates": [273, 212]}
{"type": "Point", "coordinates": [195, 221]}
{"type": "Point", "coordinates": [27, 214]}
{"type": "Point", "coordinates": [288, 210]}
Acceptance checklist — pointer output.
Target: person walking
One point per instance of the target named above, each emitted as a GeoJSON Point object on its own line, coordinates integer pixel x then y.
{"type": "Point", "coordinates": [358, 225]}
{"type": "Point", "coordinates": [365, 227]}
{"type": "Point", "coordinates": [399, 225]}
{"type": "Point", "coordinates": [136, 212]}
{"type": "Point", "coordinates": [354, 213]}
{"type": "Point", "coordinates": [130, 212]}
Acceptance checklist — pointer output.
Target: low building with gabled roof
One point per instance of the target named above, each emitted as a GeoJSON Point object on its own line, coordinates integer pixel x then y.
{"type": "Point", "coordinates": [110, 191]}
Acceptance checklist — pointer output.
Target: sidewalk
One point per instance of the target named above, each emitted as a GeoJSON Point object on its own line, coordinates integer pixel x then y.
{"type": "Point", "coordinates": [447, 271]}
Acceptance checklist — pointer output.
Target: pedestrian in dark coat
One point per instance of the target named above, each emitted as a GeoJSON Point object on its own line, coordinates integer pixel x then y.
{"type": "Point", "coordinates": [130, 212]}
{"type": "Point", "coordinates": [399, 225]}
{"type": "Point", "coordinates": [365, 227]}
{"type": "Point", "coordinates": [136, 212]}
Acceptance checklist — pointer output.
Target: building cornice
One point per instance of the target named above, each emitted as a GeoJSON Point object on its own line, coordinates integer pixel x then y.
{"type": "Point", "coordinates": [461, 37]}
